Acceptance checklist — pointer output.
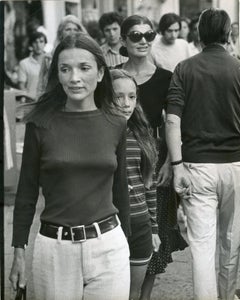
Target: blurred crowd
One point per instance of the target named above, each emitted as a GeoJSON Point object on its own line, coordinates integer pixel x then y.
{"type": "Point", "coordinates": [170, 46]}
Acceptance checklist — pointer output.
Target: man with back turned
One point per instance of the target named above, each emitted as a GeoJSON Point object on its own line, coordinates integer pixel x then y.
{"type": "Point", "coordinates": [203, 136]}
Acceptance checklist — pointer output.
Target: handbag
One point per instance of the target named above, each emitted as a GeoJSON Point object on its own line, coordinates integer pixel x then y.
{"type": "Point", "coordinates": [21, 293]}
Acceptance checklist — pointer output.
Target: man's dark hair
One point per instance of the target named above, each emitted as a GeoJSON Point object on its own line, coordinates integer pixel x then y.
{"type": "Point", "coordinates": [109, 18]}
{"type": "Point", "coordinates": [37, 35]}
{"type": "Point", "coordinates": [167, 20]}
{"type": "Point", "coordinates": [214, 26]}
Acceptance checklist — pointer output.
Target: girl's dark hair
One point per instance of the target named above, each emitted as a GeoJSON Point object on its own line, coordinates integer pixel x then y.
{"type": "Point", "coordinates": [214, 26]}
{"type": "Point", "coordinates": [55, 98]}
{"type": "Point", "coordinates": [127, 24]}
{"type": "Point", "coordinates": [142, 131]}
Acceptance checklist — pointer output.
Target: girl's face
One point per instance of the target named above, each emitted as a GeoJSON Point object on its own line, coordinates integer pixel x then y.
{"type": "Point", "coordinates": [126, 93]}
{"type": "Point", "coordinates": [79, 74]}
{"type": "Point", "coordinates": [142, 47]}
{"type": "Point", "coordinates": [70, 28]}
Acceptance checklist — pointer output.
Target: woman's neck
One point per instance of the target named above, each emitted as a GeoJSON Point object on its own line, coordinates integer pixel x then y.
{"type": "Point", "coordinates": [141, 68]}
{"type": "Point", "coordinates": [79, 105]}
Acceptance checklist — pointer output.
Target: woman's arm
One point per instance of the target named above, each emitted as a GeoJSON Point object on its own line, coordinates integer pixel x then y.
{"type": "Point", "coordinates": [28, 187]}
{"type": "Point", "coordinates": [25, 203]}
{"type": "Point", "coordinates": [120, 186]}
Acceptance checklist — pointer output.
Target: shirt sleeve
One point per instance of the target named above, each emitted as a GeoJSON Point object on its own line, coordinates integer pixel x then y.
{"type": "Point", "coordinates": [176, 94]}
{"type": "Point", "coordinates": [28, 187]}
{"type": "Point", "coordinates": [120, 186]}
{"type": "Point", "coordinates": [22, 72]}
{"type": "Point", "coordinates": [151, 200]}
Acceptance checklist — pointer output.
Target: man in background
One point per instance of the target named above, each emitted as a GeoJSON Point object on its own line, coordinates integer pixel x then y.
{"type": "Point", "coordinates": [29, 67]}
{"type": "Point", "coordinates": [203, 137]}
{"type": "Point", "coordinates": [110, 24]}
{"type": "Point", "coordinates": [167, 49]}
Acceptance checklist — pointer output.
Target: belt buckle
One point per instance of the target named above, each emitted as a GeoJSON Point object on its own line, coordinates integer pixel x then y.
{"type": "Point", "coordinates": [73, 232]}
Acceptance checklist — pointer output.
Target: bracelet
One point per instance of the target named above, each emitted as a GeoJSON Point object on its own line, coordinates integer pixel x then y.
{"type": "Point", "coordinates": [20, 246]}
{"type": "Point", "coordinates": [177, 162]}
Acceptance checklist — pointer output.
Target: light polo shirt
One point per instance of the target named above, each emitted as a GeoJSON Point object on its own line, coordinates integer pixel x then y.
{"type": "Point", "coordinates": [112, 57]}
{"type": "Point", "coordinates": [168, 56]}
{"type": "Point", "coordinates": [28, 73]}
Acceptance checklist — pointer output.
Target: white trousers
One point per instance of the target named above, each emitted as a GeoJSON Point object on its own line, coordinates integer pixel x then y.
{"type": "Point", "coordinates": [214, 186]}
{"type": "Point", "coordinates": [97, 269]}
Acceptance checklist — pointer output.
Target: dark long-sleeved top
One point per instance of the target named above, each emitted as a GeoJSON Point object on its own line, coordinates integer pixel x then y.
{"type": "Point", "coordinates": [205, 94]}
{"type": "Point", "coordinates": [80, 163]}
{"type": "Point", "coordinates": [142, 200]}
{"type": "Point", "coordinates": [153, 95]}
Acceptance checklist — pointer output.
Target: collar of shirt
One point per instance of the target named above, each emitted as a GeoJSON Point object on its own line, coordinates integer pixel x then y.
{"type": "Point", "coordinates": [106, 48]}
{"type": "Point", "coordinates": [33, 60]}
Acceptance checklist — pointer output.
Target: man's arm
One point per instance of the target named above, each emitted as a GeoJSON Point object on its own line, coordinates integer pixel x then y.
{"type": "Point", "coordinates": [182, 183]}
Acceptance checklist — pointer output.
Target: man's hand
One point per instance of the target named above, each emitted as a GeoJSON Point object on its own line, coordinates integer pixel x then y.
{"type": "Point", "coordinates": [182, 183]}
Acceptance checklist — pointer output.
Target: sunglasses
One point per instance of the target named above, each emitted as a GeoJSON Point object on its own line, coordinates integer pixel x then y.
{"type": "Point", "coordinates": [136, 36]}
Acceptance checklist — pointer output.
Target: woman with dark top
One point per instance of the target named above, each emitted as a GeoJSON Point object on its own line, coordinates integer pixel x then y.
{"type": "Point", "coordinates": [76, 153]}
{"type": "Point", "coordinates": [137, 36]}
{"type": "Point", "coordinates": [141, 157]}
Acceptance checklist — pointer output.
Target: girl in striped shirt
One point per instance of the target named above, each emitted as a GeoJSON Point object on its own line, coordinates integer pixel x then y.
{"type": "Point", "coordinates": [141, 159]}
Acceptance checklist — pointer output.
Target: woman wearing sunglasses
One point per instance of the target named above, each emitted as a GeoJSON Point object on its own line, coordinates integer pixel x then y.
{"type": "Point", "coordinates": [137, 35]}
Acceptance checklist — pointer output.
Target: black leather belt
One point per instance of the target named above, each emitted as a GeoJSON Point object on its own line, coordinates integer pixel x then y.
{"type": "Point", "coordinates": [79, 233]}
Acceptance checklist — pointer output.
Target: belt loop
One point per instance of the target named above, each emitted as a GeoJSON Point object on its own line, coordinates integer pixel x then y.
{"type": "Point", "coordinates": [95, 224]}
{"type": "Point", "coordinates": [59, 234]}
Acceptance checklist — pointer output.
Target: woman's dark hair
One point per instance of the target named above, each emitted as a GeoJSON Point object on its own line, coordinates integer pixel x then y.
{"type": "Point", "coordinates": [142, 131]}
{"type": "Point", "coordinates": [167, 20]}
{"type": "Point", "coordinates": [214, 26]}
{"type": "Point", "coordinates": [55, 98]}
{"type": "Point", "coordinates": [127, 24]}
{"type": "Point", "coordinates": [193, 34]}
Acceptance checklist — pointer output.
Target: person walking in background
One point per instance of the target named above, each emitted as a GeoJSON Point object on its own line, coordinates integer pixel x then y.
{"type": "Point", "coordinates": [110, 24]}
{"type": "Point", "coordinates": [80, 250]}
{"type": "Point", "coordinates": [69, 24]}
{"type": "Point", "coordinates": [183, 33]}
{"type": "Point", "coordinates": [137, 37]}
{"type": "Point", "coordinates": [203, 137]}
{"type": "Point", "coordinates": [141, 156]}
{"type": "Point", "coordinates": [29, 68]}
{"type": "Point", "coordinates": [234, 45]}
{"type": "Point", "coordinates": [194, 41]}
{"type": "Point", "coordinates": [168, 50]}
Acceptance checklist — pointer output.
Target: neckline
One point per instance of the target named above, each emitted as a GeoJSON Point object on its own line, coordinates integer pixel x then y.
{"type": "Point", "coordinates": [83, 113]}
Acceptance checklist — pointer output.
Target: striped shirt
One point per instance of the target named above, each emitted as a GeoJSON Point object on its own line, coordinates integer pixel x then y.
{"type": "Point", "coordinates": [142, 200]}
{"type": "Point", "coordinates": [112, 57]}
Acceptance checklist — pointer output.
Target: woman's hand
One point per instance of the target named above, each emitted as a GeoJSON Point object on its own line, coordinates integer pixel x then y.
{"type": "Point", "coordinates": [17, 275]}
{"type": "Point", "coordinates": [156, 242]}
